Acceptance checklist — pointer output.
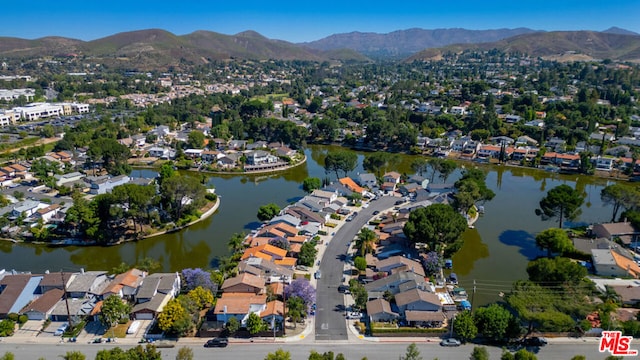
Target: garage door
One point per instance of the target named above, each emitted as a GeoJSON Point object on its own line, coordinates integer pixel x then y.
{"type": "Point", "coordinates": [144, 316]}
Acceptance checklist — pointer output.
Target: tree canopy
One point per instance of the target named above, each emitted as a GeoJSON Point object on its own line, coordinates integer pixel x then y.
{"type": "Point", "coordinates": [437, 224]}
{"type": "Point", "coordinates": [554, 240]}
{"type": "Point", "coordinates": [562, 202]}
{"type": "Point", "coordinates": [268, 211]}
{"type": "Point", "coordinates": [341, 160]}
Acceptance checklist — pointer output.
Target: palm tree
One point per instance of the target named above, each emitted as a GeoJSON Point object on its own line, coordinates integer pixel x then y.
{"type": "Point", "coordinates": [365, 243]}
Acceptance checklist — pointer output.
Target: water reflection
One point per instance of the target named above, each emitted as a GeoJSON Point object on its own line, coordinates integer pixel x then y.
{"type": "Point", "coordinates": [523, 240]}
{"type": "Point", "coordinates": [473, 250]}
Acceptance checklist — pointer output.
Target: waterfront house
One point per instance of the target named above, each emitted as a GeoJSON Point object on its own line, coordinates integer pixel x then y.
{"type": "Point", "coordinates": [394, 264]}
{"type": "Point", "coordinates": [604, 163]}
{"type": "Point", "coordinates": [393, 283]}
{"type": "Point", "coordinates": [158, 283]}
{"type": "Point", "coordinates": [87, 283]}
{"type": "Point", "coordinates": [104, 184]}
{"type": "Point", "coordinates": [608, 262]}
{"type": "Point", "coordinates": [351, 185]}
{"type": "Point", "coordinates": [430, 319]}
{"type": "Point", "coordinates": [368, 180]}
{"type": "Point", "coordinates": [54, 280]}
{"type": "Point", "coordinates": [418, 179]}
{"type": "Point", "coordinates": [624, 231]}
{"type": "Point", "coordinates": [16, 292]}
{"type": "Point", "coordinates": [392, 177]}
{"type": "Point", "coordinates": [125, 285]}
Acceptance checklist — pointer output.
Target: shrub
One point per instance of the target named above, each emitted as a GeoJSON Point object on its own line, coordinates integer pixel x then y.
{"type": "Point", "coordinates": [22, 319]}
{"type": "Point", "coordinates": [211, 197]}
{"type": "Point", "coordinates": [335, 217]}
{"type": "Point", "coordinates": [331, 225]}
{"type": "Point", "coordinates": [13, 317]}
{"type": "Point", "coordinates": [322, 232]}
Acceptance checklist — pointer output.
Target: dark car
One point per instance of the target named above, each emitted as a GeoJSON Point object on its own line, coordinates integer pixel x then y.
{"type": "Point", "coordinates": [376, 212]}
{"type": "Point", "coordinates": [217, 342]}
{"type": "Point", "coordinates": [450, 342]}
{"type": "Point", "coordinates": [534, 341]}
{"type": "Point", "coordinates": [399, 202]}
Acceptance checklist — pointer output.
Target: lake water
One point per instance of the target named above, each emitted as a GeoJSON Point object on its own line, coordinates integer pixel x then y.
{"type": "Point", "coordinates": [494, 255]}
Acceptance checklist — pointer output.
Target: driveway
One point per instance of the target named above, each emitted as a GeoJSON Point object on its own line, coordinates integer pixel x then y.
{"type": "Point", "coordinates": [330, 320]}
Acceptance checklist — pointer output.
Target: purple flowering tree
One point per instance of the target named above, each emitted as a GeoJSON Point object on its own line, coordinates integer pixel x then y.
{"type": "Point", "coordinates": [303, 289]}
{"type": "Point", "coordinates": [197, 277]}
{"type": "Point", "coordinates": [432, 263]}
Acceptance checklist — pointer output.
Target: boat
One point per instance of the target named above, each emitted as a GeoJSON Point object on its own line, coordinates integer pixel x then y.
{"type": "Point", "coordinates": [448, 264]}
{"type": "Point", "coordinates": [453, 279]}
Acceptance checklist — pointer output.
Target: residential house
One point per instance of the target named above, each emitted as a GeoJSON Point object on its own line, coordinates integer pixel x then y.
{"type": "Point", "coordinates": [565, 160]}
{"type": "Point", "coordinates": [395, 264]}
{"type": "Point", "coordinates": [628, 295]}
{"type": "Point", "coordinates": [604, 163]}
{"type": "Point", "coordinates": [368, 180]}
{"type": "Point", "coordinates": [625, 231]}
{"type": "Point", "coordinates": [244, 283]}
{"type": "Point", "coordinates": [68, 178]}
{"type": "Point", "coordinates": [440, 188]}
{"type": "Point", "coordinates": [393, 283]}
{"type": "Point", "coordinates": [104, 184]}
{"type": "Point", "coordinates": [285, 151]}
{"type": "Point", "coordinates": [430, 319]}
{"type": "Point", "coordinates": [608, 262]}
{"type": "Point", "coordinates": [27, 208]}
{"type": "Point", "coordinates": [408, 188]}
{"type": "Point", "coordinates": [418, 300]}
{"type": "Point", "coordinates": [16, 292]}
{"type": "Point", "coordinates": [161, 153]}
{"type": "Point", "coordinates": [379, 310]}
{"type": "Point", "coordinates": [48, 214]}
{"type": "Point", "coordinates": [273, 312]}
{"type": "Point", "coordinates": [304, 214]}
{"type": "Point", "coordinates": [418, 179]}
{"type": "Point", "coordinates": [158, 283]}
{"type": "Point", "coordinates": [193, 153]}
{"type": "Point", "coordinates": [278, 229]}
{"type": "Point", "coordinates": [287, 219]}
{"type": "Point", "coordinates": [266, 269]}
{"type": "Point", "coordinates": [260, 157]}
{"type": "Point", "coordinates": [239, 305]}
{"type": "Point", "coordinates": [88, 283]}
{"type": "Point", "coordinates": [42, 307]}
{"type": "Point", "coordinates": [150, 309]}
{"type": "Point", "coordinates": [77, 308]}
{"type": "Point", "coordinates": [392, 177]}
{"type": "Point", "coordinates": [526, 141]}
{"type": "Point", "coordinates": [54, 280]}
{"type": "Point", "coordinates": [511, 118]}
{"type": "Point", "coordinates": [265, 251]}
{"type": "Point", "coordinates": [324, 197]}
{"type": "Point", "coordinates": [459, 144]}
{"type": "Point", "coordinates": [351, 185]}
{"type": "Point", "coordinates": [125, 285]}
{"type": "Point", "coordinates": [501, 140]}
{"type": "Point", "coordinates": [210, 156]}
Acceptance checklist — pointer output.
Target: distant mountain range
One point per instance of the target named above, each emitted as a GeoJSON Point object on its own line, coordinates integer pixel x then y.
{"type": "Point", "coordinates": [159, 49]}
{"type": "Point", "coordinates": [403, 43]}
{"type": "Point", "coordinates": [557, 45]}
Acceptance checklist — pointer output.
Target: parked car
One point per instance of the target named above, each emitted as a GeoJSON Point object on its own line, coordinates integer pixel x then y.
{"type": "Point", "coordinates": [217, 342]}
{"type": "Point", "coordinates": [450, 342]}
{"type": "Point", "coordinates": [61, 329]}
{"type": "Point", "coordinates": [344, 289]}
{"type": "Point", "coordinates": [376, 212]}
{"type": "Point", "coordinates": [534, 341]}
{"type": "Point", "coordinates": [317, 275]}
{"type": "Point", "coordinates": [354, 315]}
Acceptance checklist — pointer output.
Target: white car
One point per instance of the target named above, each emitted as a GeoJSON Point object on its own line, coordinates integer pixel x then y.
{"type": "Point", "coordinates": [61, 329]}
{"type": "Point", "coordinates": [354, 315]}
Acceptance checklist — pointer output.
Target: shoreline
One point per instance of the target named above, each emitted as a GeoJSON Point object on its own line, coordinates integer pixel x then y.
{"type": "Point", "coordinates": [232, 173]}
{"type": "Point", "coordinates": [202, 217]}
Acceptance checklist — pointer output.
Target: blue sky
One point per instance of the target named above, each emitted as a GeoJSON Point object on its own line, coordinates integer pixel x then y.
{"type": "Point", "coordinates": [298, 21]}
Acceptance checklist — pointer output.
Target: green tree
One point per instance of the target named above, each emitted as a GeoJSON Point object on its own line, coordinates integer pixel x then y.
{"type": "Point", "coordinates": [380, 162]}
{"type": "Point", "coordinates": [366, 241]}
{"type": "Point", "coordinates": [166, 171]}
{"type": "Point", "coordinates": [201, 297]}
{"type": "Point", "coordinates": [342, 160]}
{"type": "Point", "coordinates": [267, 212]}
{"type": "Point", "coordinates": [465, 326]}
{"type": "Point", "coordinates": [74, 355]}
{"type": "Point", "coordinates": [113, 154]}
{"type": "Point", "coordinates": [296, 309]}
{"type": "Point", "coordinates": [7, 327]}
{"type": "Point", "coordinates": [182, 194]}
{"type": "Point", "coordinates": [195, 139]}
{"type": "Point", "coordinates": [360, 263]}
{"type": "Point", "coordinates": [185, 353]}
{"type": "Point", "coordinates": [278, 355]}
{"type": "Point", "coordinates": [479, 353]}
{"type": "Point", "coordinates": [493, 321]}
{"type": "Point", "coordinates": [173, 316]}
{"type": "Point", "coordinates": [561, 202]}
{"type": "Point", "coordinates": [8, 356]}
{"type": "Point", "coordinates": [472, 187]}
{"type": "Point", "coordinates": [557, 270]}
{"type": "Point", "coordinates": [446, 167]}
{"type": "Point", "coordinates": [113, 309]}
{"type": "Point", "coordinates": [579, 357]}
{"type": "Point", "coordinates": [619, 196]}
{"type": "Point", "coordinates": [308, 252]}
{"type": "Point", "coordinates": [419, 165]}
{"type": "Point", "coordinates": [437, 224]}
{"type": "Point", "coordinates": [138, 198]}
{"type": "Point", "coordinates": [233, 325]}
{"type": "Point", "coordinates": [255, 324]}
{"type": "Point", "coordinates": [412, 353]}
{"type": "Point", "coordinates": [311, 183]}
{"type": "Point", "coordinates": [554, 240]}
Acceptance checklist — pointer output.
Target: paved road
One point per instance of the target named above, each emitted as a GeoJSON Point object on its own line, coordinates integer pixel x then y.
{"type": "Point", "coordinates": [299, 351]}
{"type": "Point", "coordinates": [330, 320]}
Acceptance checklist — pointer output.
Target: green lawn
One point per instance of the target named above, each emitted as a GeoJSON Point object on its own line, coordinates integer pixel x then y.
{"type": "Point", "coordinates": [272, 97]}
